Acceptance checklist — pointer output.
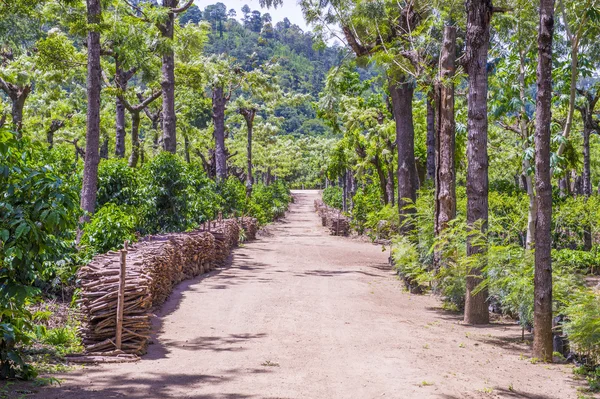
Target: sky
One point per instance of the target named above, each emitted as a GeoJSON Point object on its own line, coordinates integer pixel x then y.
{"type": "Point", "coordinates": [289, 9]}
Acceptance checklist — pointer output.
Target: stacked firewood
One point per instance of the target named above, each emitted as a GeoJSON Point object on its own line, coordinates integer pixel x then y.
{"type": "Point", "coordinates": [336, 222]}
{"type": "Point", "coordinates": [250, 226]}
{"type": "Point", "coordinates": [153, 267]}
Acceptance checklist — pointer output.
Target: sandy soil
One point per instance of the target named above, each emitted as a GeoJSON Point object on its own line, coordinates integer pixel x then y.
{"type": "Point", "coordinates": [301, 314]}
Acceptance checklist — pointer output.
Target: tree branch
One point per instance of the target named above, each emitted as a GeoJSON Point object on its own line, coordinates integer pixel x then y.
{"type": "Point", "coordinates": [183, 8]}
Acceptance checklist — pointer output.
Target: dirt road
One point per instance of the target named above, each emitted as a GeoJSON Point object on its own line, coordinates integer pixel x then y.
{"type": "Point", "coordinates": [301, 314]}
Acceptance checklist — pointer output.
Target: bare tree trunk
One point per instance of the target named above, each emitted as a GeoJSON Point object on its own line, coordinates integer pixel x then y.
{"type": "Point", "coordinates": [431, 133]}
{"type": "Point", "coordinates": [445, 176]}
{"type": "Point", "coordinates": [383, 182]}
{"type": "Point", "coordinates": [90, 169]}
{"type": "Point", "coordinates": [526, 164]}
{"type": "Point", "coordinates": [135, 139]}
{"type": "Point", "coordinates": [121, 86]}
{"type": "Point", "coordinates": [542, 317]}
{"type": "Point", "coordinates": [564, 186]}
{"type": "Point", "coordinates": [479, 13]}
{"type": "Point", "coordinates": [55, 125]}
{"type": "Point", "coordinates": [402, 96]}
{"type": "Point", "coordinates": [587, 185]}
{"type": "Point", "coordinates": [17, 109]}
{"type": "Point", "coordinates": [249, 115]}
{"type": "Point", "coordinates": [219, 102]}
{"type": "Point", "coordinates": [391, 184]}
{"type": "Point", "coordinates": [168, 81]}
{"type": "Point", "coordinates": [587, 175]}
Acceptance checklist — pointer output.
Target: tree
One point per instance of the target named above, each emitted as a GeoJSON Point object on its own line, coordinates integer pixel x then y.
{"type": "Point", "coordinates": [94, 85]}
{"type": "Point", "coordinates": [479, 14]}
{"type": "Point", "coordinates": [135, 111]}
{"type": "Point", "coordinates": [542, 323]}
{"type": "Point", "coordinates": [225, 78]}
{"type": "Point", "coordinates": [192, 15]}
{"type": "Point", "coordinates": [167, 29]}
{"type": "Point", "coordinates": [445, 174]}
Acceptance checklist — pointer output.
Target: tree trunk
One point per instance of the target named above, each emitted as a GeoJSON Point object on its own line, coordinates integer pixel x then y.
{"type": "Point", "coordinates": [526, 164]}
{"type": "Point", "coordinates": [121, 86]}
{"type": "Point", "coordinates": [90, 169]}
{"type": "Point", "coordinates": [479, 13]}
{"type": "Point", "coordinates": [135, 139]}
{"type": "Point", "coordinates": [383, 183]}
{"type": "Point", "coordinates": [587, 186]}
{"type": "Point", "coordinates": [542, 315]}
{"type": "Point", "coordinates": [219, 102]}
{"type": "Point", "coordinates": [391, 184]}
{"type": "Point", "coordinates": [564, 186]}
{"type": "Point", "coordinates": [345, 192]}
{"type": "Point", "coordinates": [445, 176]}
{"type": "Point", "coordinates": [186, 148]}
{"type": "Point", "coordinates": [402, 96]}
{"type": "Point", "coordinates": [18, 105]}
{"type": "Point", "coordinates": [168, 81]}
{"type": "Point", "coordinates": [249, 115]}
{"type": "Point", "coordinates": [431, 133]}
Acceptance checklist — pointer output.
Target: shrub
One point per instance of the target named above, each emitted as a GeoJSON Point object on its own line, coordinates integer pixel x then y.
{"type": "Point", "coordinates": [204, 200]}
{"type": "Point", "coordinates": [165, 194]}
{"type": "Point", "coordinates": [582, 325]}
{"type": "Point", "coordinates": [117, 183]}
{"type": "Point", "coordinates": [109, 228]}
{"type": "Point", "coordinates": [406, 261]}
{"type": "Point", "coordinates": [333, 196]}
{"type": "Point", "coordinates": [38, 215]}
{"type": "Point", "coordinates": [233, 193]}
{"type": "Point", "coordinates": [367, 200]}
{"type": "Point", "coordinates": [268, 202]}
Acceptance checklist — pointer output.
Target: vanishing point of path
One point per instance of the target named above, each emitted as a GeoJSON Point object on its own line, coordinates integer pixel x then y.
{"type": "Point", "coordinates": [301, 314]}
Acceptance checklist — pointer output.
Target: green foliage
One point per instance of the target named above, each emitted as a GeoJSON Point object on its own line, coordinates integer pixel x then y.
{"type": "Point", "coordinates": [165, 194]}
{"type": "Point", "coordinates": [333, 196]}
{"type": "Point", "coordinates": [365, 202]}
{"type": "Point", "coordinates": [233, 193]}
{"type": "Point", "coordinates": [583, 325]}
{"type": "Point", "coordinates": [406, 261]}
{"type": "Point", "coordinates": [109, 228]}
{"type": "Point", "coordinates": [117, 183]}
{"type": "Point", "coordinates": [38, 215]}
{"type": "Point", "coordinates": [269, 202]}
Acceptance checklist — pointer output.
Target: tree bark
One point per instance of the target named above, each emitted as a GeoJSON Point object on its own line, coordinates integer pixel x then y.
{"type": "Point", "coordinates": [249, 115]}
{"type": "Point", "coordinates": [445, 176]}
{"type": "Point", "coordinates": [402, 96]}
{"type": "Point", "coordinates": [90, 169]}
{"type": "Point", "coordinates": [391, 184]}
{"type": "Point", "coordinates": [135, 139]}
{"type": "Point", "coordinates": [219, 102]}
{"type": "Point", "coordinates": [168, 81]}
{"type": "Point", "coordinates": [431, 133]}
{"type": "Point", "coordinates": [17, 109]}
{"type": "Point", "coordinates": [526, 164]}
{"type": "Point", "coordinates": [383, 181]}
{"type": "Point", "coordinates": [542, 315]}
{"type": "Point", "coordinates": [121, 86]}
{"type": "Point", "coordinates": [18, 95]}
{"type": "Point", "coordinates": [587, 186]}
{"type": "Point", "coordinates": [479, 13]}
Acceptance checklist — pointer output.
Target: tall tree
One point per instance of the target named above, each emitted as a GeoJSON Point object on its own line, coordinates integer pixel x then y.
{"type": "Point", "coordinates": [445, 175]}
{"type": "Point", "coordinates": [542, 316]}
{"type": "Point", "coordinates": [94, 85]}
{"type": "Point", "coordinates": [479, 14]}
{"type": "Point", "coordinates": [167, 29]}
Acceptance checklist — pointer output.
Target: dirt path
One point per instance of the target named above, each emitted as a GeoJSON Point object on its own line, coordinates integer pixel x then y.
{"type": "Point", "coordinates": [301, 314]}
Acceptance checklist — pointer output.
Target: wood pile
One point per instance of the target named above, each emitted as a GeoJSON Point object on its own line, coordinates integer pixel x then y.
{"type": "Point", "coordinates": [333, 219]}
{"type": "Point", "coordinates": [153, 267]}
{"type": "Point", "coordinates": [250, 226]}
